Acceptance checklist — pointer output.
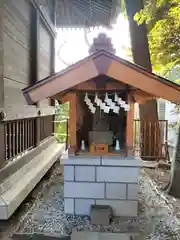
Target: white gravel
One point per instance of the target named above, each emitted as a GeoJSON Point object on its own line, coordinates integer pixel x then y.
{"type": "Point", "coordinates": [156, 220]}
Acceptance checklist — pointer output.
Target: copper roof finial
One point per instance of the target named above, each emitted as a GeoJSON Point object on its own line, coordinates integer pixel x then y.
{"type": "Point", "coordinates": [102, 42]}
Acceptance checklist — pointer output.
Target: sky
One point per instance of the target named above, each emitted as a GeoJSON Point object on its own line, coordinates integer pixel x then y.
{"type": "Point", "coordinates": [74, 48]}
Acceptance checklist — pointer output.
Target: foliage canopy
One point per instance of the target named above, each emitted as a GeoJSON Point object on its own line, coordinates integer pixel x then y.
{"type": "Point", "coordinates": [163, 22]}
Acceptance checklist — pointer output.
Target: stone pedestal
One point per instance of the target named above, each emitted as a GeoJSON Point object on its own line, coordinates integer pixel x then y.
{"type": "Point", "coordinates": [111, 180]}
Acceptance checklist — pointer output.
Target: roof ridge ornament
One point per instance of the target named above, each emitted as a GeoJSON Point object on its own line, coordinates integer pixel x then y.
{"type": "Point", "coordinates": [102, 42]}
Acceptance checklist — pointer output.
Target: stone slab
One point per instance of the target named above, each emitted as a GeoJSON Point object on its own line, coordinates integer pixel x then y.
{"type": "Point", "coordinates": [99, 236]}
{"type": "Point", "coordinates": [39, 236]}
{"type": "Point", "coordinates": [120, 207]}
{"type": "Point", "coordinates": [101, 215]}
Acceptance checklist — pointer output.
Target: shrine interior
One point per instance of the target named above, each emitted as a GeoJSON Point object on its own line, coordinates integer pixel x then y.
{"type": "Point", "coordinates": [100, 127]}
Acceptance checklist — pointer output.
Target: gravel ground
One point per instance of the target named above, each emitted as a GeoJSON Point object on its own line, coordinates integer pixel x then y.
{"type": "Point", "coordinates": [160, 178]}
{"type": "Point", "coordinates": [156, 220]}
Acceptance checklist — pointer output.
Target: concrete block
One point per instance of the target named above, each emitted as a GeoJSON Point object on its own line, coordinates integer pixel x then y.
{"type": "Point", "coordinates": [82, 161]}
{"type": "Point", "coordinates": [101, 215]}
{"type": "Point", "coordinates": [85, 173]}
{"type": "Point", "coordinates": [83, 206]}
{"type": "Point", "coordinates": [83, 190]}
{"type": "Point", "coordinates": [133, 191]}
{"type": "Point", "coordinates": [118, 174]}
{"type": "Point", "coordinates": [68, 173]}
{"type": "Point", "coordinates": [115, 191]}
{"type": "Point", "coordinates": [119, 161]}
{"type": "Point", "coordinates": [69, 206]}
{"type": "Point", "coordinates": [120, 207]}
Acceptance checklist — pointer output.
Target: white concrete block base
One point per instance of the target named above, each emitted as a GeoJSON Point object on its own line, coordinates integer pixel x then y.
{"type": "Point", "coordinates": [109, 181]}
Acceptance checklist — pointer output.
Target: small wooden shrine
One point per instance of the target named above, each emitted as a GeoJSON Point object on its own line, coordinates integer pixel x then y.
{"type": "Point", "coordinates": [102, 90]}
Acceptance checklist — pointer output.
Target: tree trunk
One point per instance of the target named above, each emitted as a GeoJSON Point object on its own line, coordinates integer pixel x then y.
{"type": "Point", "coordinates": [141, 56]}
{"type": "Point", "coordinates": [174, 186]}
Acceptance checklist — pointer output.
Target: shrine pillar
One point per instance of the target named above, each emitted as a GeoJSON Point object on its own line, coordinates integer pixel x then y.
{"type": "Point", "coordinates": [72, 99]}
{"type": "Point", "coordinates": [129, 127]}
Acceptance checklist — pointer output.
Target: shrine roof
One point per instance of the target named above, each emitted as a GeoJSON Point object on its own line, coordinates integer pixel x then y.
{"type": "Point", "coordinates": [103, 62]}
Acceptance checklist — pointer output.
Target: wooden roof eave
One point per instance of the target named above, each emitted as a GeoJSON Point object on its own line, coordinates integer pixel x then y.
{"type": "Point", "coordinates": [112, 66]}
{"type": "Point", "coordinates": [73, 14]}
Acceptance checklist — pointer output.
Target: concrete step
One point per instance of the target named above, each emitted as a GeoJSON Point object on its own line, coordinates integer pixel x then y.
{"type": "Point", "coordinates": [16, 187]}
{"type": "Point", "coordinates": [39, 236]}
{"type": "Point", "coordinates": [100, 236]}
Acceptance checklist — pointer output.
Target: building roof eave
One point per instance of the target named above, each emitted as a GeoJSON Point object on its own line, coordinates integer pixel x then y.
{"type": "Point", "coordinates": [74, 14]}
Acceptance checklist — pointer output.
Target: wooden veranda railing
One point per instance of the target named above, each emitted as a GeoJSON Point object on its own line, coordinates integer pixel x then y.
{"type": "Point", "coordinates": [19, 136]}
{"type": "Point", "coordinates": [151, 139]}
{"type": "Point", "coordinates": [46, 127]}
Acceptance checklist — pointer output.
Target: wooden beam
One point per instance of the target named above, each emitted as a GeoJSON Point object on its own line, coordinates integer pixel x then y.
{"type": "Point", "coordinates": [45, 19]}
{"type": "Point", "coordinates": [1, 54]}
{"type": "Point", "coordinates": [129, 127]}
{"type": "Point", "coordinates": [53, 39]}
{"type": "Point", "coordinates": [34, 48]}
{"type": "Point", "coordinates": [54, 12]}
{"type": "Point", "coordinates": [53, 48]}
{"type": "Point", "coordinates": [2, 125]}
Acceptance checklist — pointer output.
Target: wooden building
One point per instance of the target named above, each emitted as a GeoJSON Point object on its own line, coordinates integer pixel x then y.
{"type": "Point", "coordinates": [27, 35]}
{"type": "Point", "coordinates": [27, 38]}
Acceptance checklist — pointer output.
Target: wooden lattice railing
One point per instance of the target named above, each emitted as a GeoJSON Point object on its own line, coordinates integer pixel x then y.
{"type": "Point", "coordinates": [19, 136]}
{"type": "Point", "coordinates": [150, 139]}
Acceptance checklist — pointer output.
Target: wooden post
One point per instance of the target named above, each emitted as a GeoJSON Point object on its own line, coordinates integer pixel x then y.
{"type": "Point", "coordinates": [1, 54]}
{"type": "Point", "coordinates": [53, 39]}
{"type": "Point", "coordinates": [37, 131]}
{"type": "Point", "coordinates": [72, 124]}
{"type": "Point", "coordinates": [34, 45]}
{"type": "Point", "coordinates": [2, 145]}
{"type": "Point", "coordinates": [67, 133]}
{"type": "Point", "coordinates": [72, 98]}
{"type": "Point", "coordinates": [129, 127]}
